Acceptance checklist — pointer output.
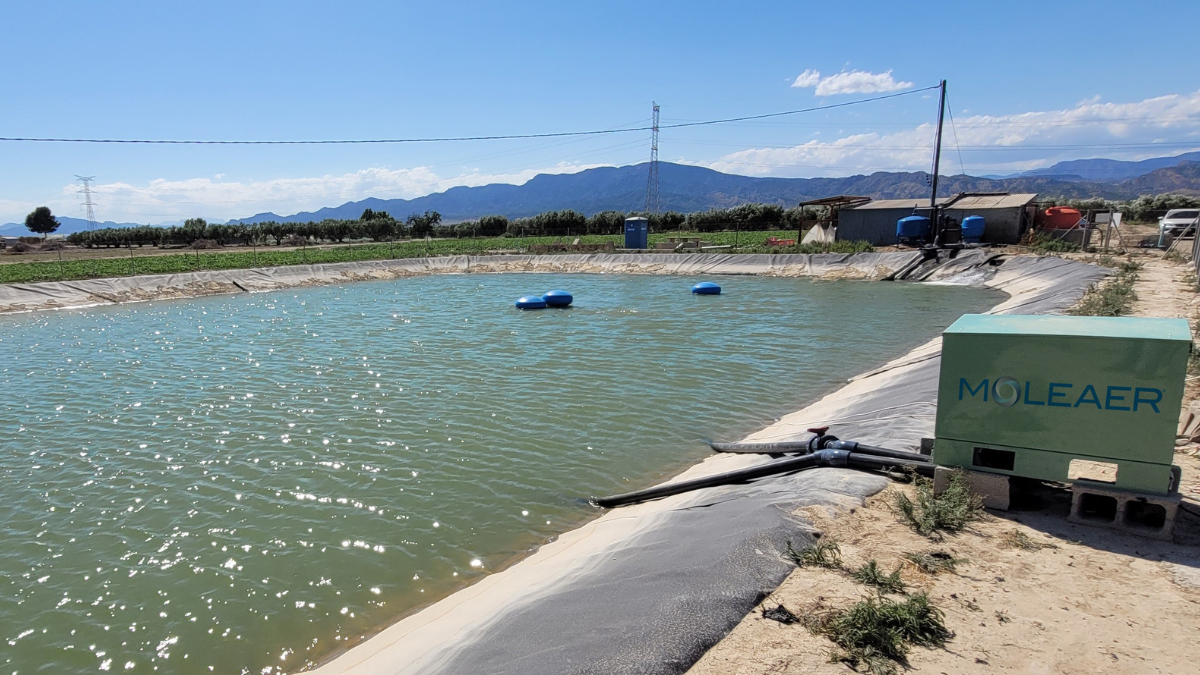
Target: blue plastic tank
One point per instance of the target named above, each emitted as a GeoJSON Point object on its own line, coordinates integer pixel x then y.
{"type": "Point", "coordinates": [912, 227]}
{"type": "Point", "coordinates": [706, 288]}
{"type": "Point", "coordinates": [558, 299]}
{"type": "Point", "coordinates": [530, 302]}
{"type": "Point", "coordinates": [972, 229]}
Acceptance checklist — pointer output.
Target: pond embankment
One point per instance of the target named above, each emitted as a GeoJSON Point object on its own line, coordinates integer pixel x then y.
{"type": "Point", "coordinates": [649, 588]}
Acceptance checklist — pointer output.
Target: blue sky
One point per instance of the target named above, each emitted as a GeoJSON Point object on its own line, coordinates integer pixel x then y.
{"type": "Point", "coordinates": [1028, 87]}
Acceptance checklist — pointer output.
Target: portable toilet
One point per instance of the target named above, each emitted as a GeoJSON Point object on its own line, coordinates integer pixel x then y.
{"type": "Point", "coordinates": [637, 233]}
{"type": "Point", "coordinates": [972, 229]}
{"type": "Point", "coordinates": [912, 229]}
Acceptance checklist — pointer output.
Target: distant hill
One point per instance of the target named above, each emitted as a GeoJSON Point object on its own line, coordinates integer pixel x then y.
{"type": "Point", "coordinates": [681, 188]}
{"type": "Point", "coordinates": [67, 226]}
{"type": "Point", "coordinates": [1183, 178]}
{"type": "Point", "coordinates": [1110, 170]}
{"type": "Point", "coordinates": [694, 188]}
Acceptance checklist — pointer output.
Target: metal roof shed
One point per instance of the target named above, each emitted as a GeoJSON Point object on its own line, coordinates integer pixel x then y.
{"type": "Point", "coordinates": [1006, 217]}
{"type": "Point", "coordinates": [875, 221]}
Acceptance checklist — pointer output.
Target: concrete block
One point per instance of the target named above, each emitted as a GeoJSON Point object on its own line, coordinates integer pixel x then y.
{"type": "Point", "coordinates": [1137, 513]}
{"type": "Point", "coordinates": [993, 488]}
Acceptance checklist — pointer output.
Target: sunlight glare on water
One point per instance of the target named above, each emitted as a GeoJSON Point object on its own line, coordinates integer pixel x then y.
{"type": "Point", "coordinates": [250, 483]}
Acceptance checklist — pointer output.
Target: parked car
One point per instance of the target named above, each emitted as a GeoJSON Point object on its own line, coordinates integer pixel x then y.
{"type": "Point", "coordinates": [1178, 222]}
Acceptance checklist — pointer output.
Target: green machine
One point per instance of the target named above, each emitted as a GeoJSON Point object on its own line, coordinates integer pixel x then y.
{"type": "Point", "coordinates": [1063, 398]}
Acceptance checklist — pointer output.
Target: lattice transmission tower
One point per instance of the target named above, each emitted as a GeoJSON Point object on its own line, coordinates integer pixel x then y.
{"type": "Point", "coordinates": [652, 182]}
{"type": "Point", "coordinates": [87, 202]}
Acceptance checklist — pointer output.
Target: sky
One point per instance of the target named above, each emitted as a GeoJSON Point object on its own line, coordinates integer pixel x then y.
{"type": "Point", "coordinates": [1029, 84]}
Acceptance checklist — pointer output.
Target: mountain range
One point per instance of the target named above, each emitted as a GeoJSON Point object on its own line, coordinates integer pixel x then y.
{"type": "Point", "coordinates": [693, 188]}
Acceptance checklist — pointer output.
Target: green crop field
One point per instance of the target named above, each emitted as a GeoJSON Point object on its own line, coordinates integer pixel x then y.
{"type": "Point", "coordinates": [266, 256]}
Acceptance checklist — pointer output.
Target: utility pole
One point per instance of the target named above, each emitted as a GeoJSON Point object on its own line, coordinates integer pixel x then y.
{"type": "Point", "coordinates": [937, 148]}
{"type": "Point", "coordinates": [652, 182]}
{"type": "Point", "coordinates": [934, 216]}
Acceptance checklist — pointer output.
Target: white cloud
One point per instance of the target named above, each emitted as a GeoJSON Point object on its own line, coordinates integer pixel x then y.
{"type": "Point", "coordinates": [809, 78]}
{"type": "Point", "coordinates": [849, 82]}
{"type": "Point", "coordinates": [216, 199]}
{"type": "Point", "coordinates": [1154, 127]}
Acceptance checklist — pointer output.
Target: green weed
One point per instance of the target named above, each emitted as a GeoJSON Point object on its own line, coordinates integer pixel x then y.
{"type": "Point", "coordinates": [870, 575]}
{"type": "Point", "coordinates": [949, 511]}
{"type": "Point", "coordinates": [878, 632]}
{"type": "Point", "coordinates": [821, 554]}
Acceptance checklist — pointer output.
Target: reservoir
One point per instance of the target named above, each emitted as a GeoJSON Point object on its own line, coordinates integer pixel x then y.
{"type": "Point", "coordinates": [250, 483]}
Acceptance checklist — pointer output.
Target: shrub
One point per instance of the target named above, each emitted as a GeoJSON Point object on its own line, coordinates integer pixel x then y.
{"type": "Point", "coordinates": [294, 240]}
{"type": "Point", "coordinates": [53, 246]}
{"type": "Point", "coordinates": [201, 244]}
{"type": "Point", "coordinates": [878, 631]}
{"type": "Point", "coordinates": [870, 574]}
{"type": "Point", "coordinates": [821, 554]}
{"type": "Point", "coordinates": [949, 511]}
{"type": "Point", "coordinates": [20, 247]}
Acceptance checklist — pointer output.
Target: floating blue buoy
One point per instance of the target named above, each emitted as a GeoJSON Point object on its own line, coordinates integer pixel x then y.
{"type": "Point", "coordinates": [706, 288]}
{"type": "Point", "coordinates": [558, 298]}
{"type": "Point", "coordinates": [530, 302]}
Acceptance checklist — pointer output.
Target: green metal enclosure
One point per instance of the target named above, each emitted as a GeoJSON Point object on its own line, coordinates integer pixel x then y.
{"type": "Point", "coordinates": [1028, 395]}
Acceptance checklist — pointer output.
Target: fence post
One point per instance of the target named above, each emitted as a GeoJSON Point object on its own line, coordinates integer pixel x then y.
{"type": "Point", "coordinates": [132, 264]}
{"type": "Point", "coordinates": [61, 274]}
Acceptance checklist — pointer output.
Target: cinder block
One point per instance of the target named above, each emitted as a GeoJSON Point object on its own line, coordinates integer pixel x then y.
{"type": "Point", "coordinates": [1137, 513]}
{"type": "Point", "coordinates": [993, 488]}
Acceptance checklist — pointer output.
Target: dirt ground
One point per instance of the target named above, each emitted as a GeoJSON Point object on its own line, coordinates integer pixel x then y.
{"type": "Point", "coordinates": [1092, 601]}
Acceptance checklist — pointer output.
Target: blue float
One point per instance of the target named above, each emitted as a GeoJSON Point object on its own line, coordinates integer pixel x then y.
{"type": "Point", "coordinates": [558, 299]}
{"type": "Point", "coordinates": [706, 288]}
{"type": "Point", "coordinates": [530, 302]}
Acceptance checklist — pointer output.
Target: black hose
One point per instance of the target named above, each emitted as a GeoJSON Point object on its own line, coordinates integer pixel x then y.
{"type": "Point", "coordinates": [860, 449]}
{"type": "Point", "coordinates": [822, 458]}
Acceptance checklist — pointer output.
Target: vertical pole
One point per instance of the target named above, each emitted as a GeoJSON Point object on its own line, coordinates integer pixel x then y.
{"type": "Point", "coordinates": [737, 231]}
{"type": "Point", "coordinates": [254, 245]}
{"type": "Point", "coordinates": [132, 264]}
{"type": "Point", "coordinates": [937, 159]}
{"type": "Point", "coordinates": [61, 275]}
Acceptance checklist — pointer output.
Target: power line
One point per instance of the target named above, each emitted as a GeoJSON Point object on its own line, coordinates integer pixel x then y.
{"type": "Point", "coordinates": [961, 166]}
{"type": "Point", "coordinates": [448, 139]}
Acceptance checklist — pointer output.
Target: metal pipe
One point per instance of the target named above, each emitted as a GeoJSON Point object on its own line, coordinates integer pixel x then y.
{"type": "Point", "coordinates": [822, 458]}
{"type": "Point", "coordinates": [814, 444]}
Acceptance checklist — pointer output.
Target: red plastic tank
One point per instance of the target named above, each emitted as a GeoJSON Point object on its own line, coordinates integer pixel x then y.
{"type": "Point", "coordinates": [1060, 218]}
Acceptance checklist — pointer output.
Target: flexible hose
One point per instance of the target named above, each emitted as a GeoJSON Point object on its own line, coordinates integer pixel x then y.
{"type": "Point", "coordinates": [822, 458]}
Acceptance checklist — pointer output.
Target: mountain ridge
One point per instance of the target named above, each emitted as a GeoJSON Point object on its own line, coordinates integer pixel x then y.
{"type": "Point", "coordinates": [693, 188]}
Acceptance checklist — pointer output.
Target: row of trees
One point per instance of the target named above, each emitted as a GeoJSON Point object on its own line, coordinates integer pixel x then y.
{"type": "Point", "coordinates": [1145, 209]}
{"type": "Point", "coordinates": [373, 225]}
{"type": "Point", "coordinates": [381, 226]}
{"type": "Point", "coordinates": [570, 223]}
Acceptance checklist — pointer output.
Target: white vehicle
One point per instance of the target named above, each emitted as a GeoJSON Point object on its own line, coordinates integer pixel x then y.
{"type": "Point", "coordinates": [1178, 222]}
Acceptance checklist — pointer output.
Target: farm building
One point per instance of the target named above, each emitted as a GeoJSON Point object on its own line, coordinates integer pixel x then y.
{"type": "Point", "coordinates": [1006, 216]}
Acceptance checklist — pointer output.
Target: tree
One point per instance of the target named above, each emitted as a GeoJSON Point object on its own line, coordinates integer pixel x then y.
{"type": "Point", "coordinates": [422, 225]}
{"type": "Point", "coordinates": [41, 221]}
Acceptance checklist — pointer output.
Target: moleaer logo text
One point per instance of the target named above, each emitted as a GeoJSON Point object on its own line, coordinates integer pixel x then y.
{"type": "Point", "coordinates": [1008, 391]}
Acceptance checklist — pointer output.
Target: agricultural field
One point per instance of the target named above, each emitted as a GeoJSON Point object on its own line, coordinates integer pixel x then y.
{"type": "Point", "coordinates": [86, 264]}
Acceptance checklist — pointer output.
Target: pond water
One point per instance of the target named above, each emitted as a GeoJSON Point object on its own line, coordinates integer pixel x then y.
{"type": "Point", "coordinates": [250, 483]}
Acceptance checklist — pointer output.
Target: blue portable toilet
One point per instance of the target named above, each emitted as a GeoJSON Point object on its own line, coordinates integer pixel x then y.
{"type": "Point", "coordinates": [637, 233]}
{"type": "Point", "coordinates": [972, 229]}
{"type": "Point", "coordinates": [912, 229]}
